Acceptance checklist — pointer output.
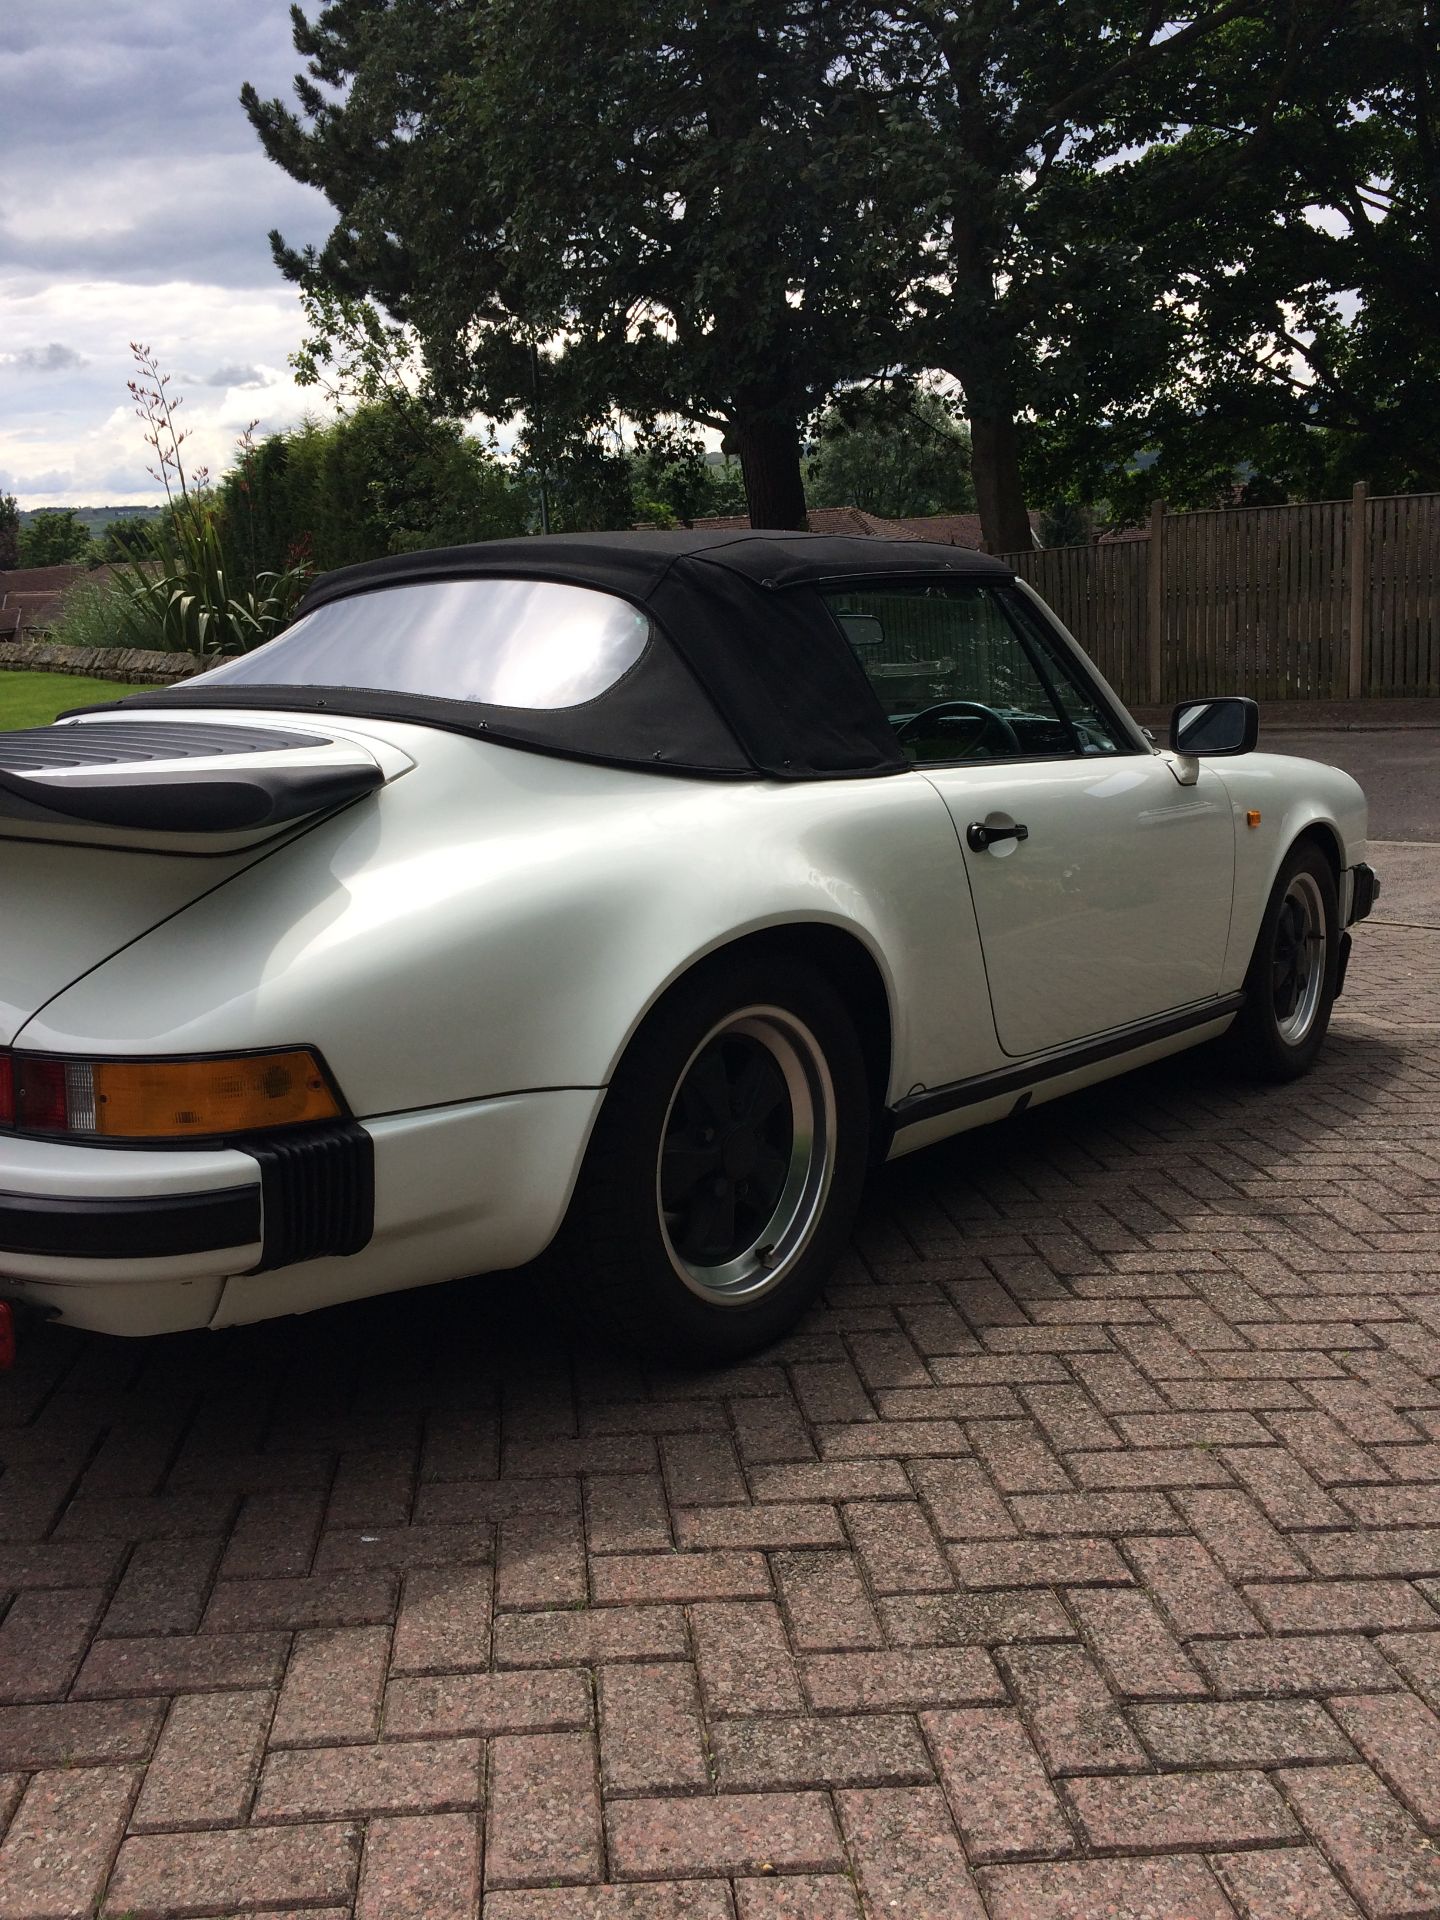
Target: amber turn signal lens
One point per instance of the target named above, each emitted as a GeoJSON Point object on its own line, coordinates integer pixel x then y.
{"type": "Point", "coordinates": [170, 1099]}
{"type": "Point", "coordinates": [1252, 818]}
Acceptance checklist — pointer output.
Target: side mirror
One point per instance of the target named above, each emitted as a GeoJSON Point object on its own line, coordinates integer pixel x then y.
{"type": "Point", "coordinates": [1228, 725]}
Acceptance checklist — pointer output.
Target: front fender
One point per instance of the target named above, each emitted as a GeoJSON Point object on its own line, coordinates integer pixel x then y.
{"type": "Point", "coordinates": [1291, 796]}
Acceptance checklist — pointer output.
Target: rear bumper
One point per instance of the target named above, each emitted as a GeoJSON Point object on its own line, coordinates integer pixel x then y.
{"type": "Point", "coordinates": [142, 1242]}
{"type": "Point", "coordinates": [148, 1227]}
{"type": "Point", "coordinates": [302, 1194]}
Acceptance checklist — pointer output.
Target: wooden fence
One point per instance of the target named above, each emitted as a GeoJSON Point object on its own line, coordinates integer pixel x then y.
{"type": "Point", "coordinates": [1332, 600]}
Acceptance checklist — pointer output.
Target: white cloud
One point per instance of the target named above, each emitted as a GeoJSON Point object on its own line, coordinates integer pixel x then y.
{"type": "Point", "coordinates": [137, 206]}
{"type": "Point", "coordinates": [74, 448]}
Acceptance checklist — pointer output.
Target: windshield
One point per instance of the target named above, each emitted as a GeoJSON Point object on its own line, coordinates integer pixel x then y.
{"type": "Point", "coordinates": [504, 643]}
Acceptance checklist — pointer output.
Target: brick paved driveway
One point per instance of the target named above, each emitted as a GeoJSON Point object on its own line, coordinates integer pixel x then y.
{"type": "Point", "coordinates": [1080, 1558]}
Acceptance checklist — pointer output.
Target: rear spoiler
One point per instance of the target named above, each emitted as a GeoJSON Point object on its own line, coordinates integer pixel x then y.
{"type": "Point", "coordinates": [180, 776]}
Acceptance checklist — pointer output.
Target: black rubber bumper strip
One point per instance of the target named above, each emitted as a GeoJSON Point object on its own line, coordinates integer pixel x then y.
{"type": "Point", "coordinates": [1364, 891]}
{"type": "Point", "coordinates": [142, 1229]}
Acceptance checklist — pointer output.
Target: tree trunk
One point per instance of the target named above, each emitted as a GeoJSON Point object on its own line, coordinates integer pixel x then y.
{"type": "Point", "coordinates": [999, 492]}
{"type": "Point", "coordinates": [768, 443]}
{"type": "Point", "coordinates": [980, 357]}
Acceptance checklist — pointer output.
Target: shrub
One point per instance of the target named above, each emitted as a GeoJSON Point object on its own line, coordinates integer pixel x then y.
{"type": "Point", "coordinates": [185, 600]}
{"type": "Point", "coordinates": [186, 596]}
{"type": "Point", "coordinates": [90, 615]}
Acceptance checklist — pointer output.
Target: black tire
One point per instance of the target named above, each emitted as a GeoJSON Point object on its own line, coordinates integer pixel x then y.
{"type": "Point", "coordinates": [1290, 986]}
{"type": "Point", "coordinates": [645, 1252]}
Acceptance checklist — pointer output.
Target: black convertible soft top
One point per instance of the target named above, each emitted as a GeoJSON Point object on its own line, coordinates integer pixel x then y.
{"type": "Point", "coordinates": [748, 672]}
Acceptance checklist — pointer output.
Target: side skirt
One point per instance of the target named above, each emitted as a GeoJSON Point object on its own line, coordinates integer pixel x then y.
{"type": "Point", "coordinates": [1023, 1080]}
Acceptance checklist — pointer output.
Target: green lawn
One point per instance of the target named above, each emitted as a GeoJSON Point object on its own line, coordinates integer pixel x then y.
{"type": "Point", "coordinates": [34, 699]}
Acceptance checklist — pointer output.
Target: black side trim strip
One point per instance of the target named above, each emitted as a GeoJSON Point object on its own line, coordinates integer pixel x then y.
{"type": "Point", "coordinates": [993, 1086]}
{"type": "Point", "coordinates": [140, 1229]}
{"type": "Point", "coordinates": [318, 1187]}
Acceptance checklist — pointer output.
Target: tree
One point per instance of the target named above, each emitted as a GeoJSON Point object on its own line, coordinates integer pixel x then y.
{"type": "Point", "coordinates": [674, 478]}
{"type": "Point", "coordinates": [9, 531]}
{"type": "Point", "coordinates": [675, 203]}
{"type": "Point", "coordinates": [127, 537]}
{"type": "Point", "coordinates": [892, 454]}
{"type": "Point", "coordinates": [1048, 294]}
{"type": "Point", "coordinates": [1314, 352]}
{"type": "Point", "coordinates": [386, 479]}
{"type": "Point", "coordinates": [54, 539]}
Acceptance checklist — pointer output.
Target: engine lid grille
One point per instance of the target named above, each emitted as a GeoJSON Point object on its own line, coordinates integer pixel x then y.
{"type": "Point", "coordinates": [127, 743]}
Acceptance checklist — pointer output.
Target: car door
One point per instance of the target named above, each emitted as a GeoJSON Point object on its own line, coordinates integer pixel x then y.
{"type": "Point", "coordinates": [1101, 872]}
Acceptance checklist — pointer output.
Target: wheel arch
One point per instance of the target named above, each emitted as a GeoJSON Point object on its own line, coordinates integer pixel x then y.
{"type": "Point", "coordinates": [841, 957]}
{"type": "Point", "coordinates": [1322, 834]}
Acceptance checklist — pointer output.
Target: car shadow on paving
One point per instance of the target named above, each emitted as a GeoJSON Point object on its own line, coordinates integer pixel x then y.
{"type": "Point", "coordinates": [1079, 1554]}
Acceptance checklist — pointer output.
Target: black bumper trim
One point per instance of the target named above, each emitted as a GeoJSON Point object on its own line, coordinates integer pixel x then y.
{"type": "Point", "coordinates": [318, 1185]}
{"type": "Point", "coordinates": [1364, 891]}
{"type": "Point", "coordinates": [142, 1229]}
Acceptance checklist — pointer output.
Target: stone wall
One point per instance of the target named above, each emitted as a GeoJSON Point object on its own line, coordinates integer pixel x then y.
{"type": "Point", "coordinates": [135, 665]}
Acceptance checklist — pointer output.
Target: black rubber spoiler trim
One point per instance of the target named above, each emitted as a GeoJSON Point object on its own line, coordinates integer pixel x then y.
{"type": "Point", "coordinates": [226, 802]}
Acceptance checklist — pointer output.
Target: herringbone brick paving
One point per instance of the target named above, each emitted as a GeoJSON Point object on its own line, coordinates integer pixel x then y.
{"type": "Point", "coordinates": [1080, 1556]}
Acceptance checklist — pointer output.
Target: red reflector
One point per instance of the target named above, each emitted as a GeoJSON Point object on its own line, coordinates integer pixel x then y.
{"type": "Point", "coordinates": [7, 1336]}
{"type": "Point", "coordinates": [7, 1091]}
{"type": "Point", "coordinates": [40, 1096]}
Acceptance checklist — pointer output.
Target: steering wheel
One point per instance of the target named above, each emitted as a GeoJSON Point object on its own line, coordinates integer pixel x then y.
{"type": "Point", "coordinates": [992, 721]}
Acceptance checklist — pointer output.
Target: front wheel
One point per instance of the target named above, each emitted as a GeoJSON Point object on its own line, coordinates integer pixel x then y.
{"type": "Point", "coordinates": [1290, 987]}
{"type": "Point", "coordinates": [726, 1165]}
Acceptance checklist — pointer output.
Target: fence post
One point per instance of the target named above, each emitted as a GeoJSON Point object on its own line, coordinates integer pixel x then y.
{"type": "Point", "coordinates": [1155, 604]}
{"type": "Point", "coordinates": [1359, 588]}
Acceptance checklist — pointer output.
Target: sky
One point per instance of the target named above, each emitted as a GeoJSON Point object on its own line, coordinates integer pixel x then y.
{"type": "Point", "coordinates": [136, 206]}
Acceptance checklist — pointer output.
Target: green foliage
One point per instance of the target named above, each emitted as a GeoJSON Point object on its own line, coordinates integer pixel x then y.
{"type": "Point", "coordinates": [680, 199]}
{"type": "Point", "coordinates": [9, 532]}
{"type": "Point", "coordinates": [126, 538]}
{"type": "Point", "coordinates": [89, 614]}
{"type": "Point", "coordinates": [589, 487]}
{"type": "Point", "coordinates": [387, 479]}
{"type": "Point", "coordinates": [1067, 523]}
{"type": "Point", "coordinates": [1205, 234]}
{"type": "Point", "coordinates": [55, 538]}
{"type": "Point", "coordinates": [35, 699]}
{"type": "Point", "coordinates": [1288, 235]}
{"type": "Point", "coordinates": [187, 599]}
{"type": "Point", "coordinates": [187, 594]}
{"type": "Point", "coordinates": [893, 453]}
{"type": "Point", "coordinates": [676, 482]}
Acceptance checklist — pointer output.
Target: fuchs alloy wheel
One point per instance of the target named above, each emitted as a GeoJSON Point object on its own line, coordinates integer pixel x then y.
{"type": "Point", "coordinates": [1290, 988]}
{"type": "Point", "coordinates": [726, 1165]}
{"type": "Point", "coordinates": [747, 1154]}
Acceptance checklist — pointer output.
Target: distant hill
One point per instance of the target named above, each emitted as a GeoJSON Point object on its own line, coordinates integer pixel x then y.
{"type": "Point", "coordinates": [93, 519]}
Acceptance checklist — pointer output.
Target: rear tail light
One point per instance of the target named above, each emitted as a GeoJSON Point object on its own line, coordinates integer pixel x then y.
{"type": "Point", "coordinates": [164, 1099]}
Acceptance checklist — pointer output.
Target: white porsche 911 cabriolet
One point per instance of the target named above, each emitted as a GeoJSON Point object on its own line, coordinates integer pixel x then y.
{"type": "Point", "coordinates": [617, 899]}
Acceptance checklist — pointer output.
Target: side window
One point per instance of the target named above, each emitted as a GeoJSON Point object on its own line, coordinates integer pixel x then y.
{"type": "Point", "coordinates": [1095, 729]}
{"type": "Point", "coordinates": [963, 676]}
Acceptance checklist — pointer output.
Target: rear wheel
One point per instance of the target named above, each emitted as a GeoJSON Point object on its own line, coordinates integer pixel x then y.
{"type": "Point", "coordinates": [726, 1165]}
{"type": "Point", "coordinates": [1290, 987]}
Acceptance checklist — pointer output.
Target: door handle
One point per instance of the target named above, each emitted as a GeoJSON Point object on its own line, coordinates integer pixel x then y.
{"type": "Point", "coordinates": [978, 836]}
